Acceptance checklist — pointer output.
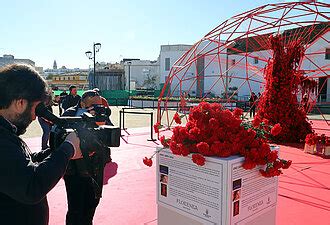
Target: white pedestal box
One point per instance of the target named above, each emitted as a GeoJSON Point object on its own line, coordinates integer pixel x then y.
{"type": "Point", "coordinates": [220, 193]}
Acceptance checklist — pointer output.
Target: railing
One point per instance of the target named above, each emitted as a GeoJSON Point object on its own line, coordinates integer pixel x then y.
{"type": "Point", "coordinates": [122, 113]}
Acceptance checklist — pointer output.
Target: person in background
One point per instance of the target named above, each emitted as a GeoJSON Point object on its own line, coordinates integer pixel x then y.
{"type": "Point", "coordinates": [72, 99]}
{"type": "Point", "coordinates": [45, 124]}
{"type": "Point", "coordinates": [27, 177]}
{"type": "Point", "coordinates": [82, 196]}
{"type": "Point", "coordinates": [63, 95]}
{"type": "Point", "coordinates": [104, 101]}
{"type": "Point", "coordinates": [106, 105]}
{"type": "Point", "coordinates": [304, 102]}
{"type": "Point", "coordinates": [253, 104]}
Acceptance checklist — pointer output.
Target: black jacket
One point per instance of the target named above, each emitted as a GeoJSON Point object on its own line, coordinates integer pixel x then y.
{"type": "Point", "coordinates": [26, 178]}
{"type": "Point", "coordinates": [70, 101]}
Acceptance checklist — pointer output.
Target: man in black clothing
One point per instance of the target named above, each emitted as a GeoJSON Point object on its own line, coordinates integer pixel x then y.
{"type": "Point", "coordinates": [253, 104]}
{"type": "Point", "coordinates": [82, 194]}
{"type": "Point", "coordinates": [26, 177]}
{"type": "Point", "coordinates": [63, 95]}
{"type": "Point", "coordinates": [72, 99]}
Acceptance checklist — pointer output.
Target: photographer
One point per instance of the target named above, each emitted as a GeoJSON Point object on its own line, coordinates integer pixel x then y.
{"type": "Point", "coordinates": [26, 177]}
{"type": "Point", "coordinates": [82, 195]}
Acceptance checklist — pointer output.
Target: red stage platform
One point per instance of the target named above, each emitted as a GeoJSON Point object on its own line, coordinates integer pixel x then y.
{"type": "Point", "coordinates": [129, 197]}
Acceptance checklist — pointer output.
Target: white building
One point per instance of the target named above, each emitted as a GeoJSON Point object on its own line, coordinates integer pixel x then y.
{"type": "Point", "coordinates": [143, 74]}
{"type": "Point", "coordinates": [237, 70]}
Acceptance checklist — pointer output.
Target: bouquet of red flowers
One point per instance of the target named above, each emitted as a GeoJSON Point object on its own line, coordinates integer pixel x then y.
{"type": "Point", "coordinates": [212, 130]}
{"type": "Point", "coordinates": [313, 139]}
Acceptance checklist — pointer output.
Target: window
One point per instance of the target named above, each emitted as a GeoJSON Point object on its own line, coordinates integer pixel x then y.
{"type": "Point", "coordinates": [256, 60]}
{"type": "Point", "coordinates": [327, 53]}
{"type": "Point", "coordinates": [167, 64]}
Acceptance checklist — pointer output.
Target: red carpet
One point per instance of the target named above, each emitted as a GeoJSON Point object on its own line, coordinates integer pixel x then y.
{"type": "Point", "coordinates": [129, 198]}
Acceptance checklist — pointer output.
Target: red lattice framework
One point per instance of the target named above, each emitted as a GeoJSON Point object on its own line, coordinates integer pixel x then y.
{"type": "Point", "coordinates": [228, 63]}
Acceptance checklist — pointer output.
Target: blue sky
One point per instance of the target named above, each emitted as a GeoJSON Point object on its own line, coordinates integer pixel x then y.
{"type": "Point", "coordinates": [62, 30]}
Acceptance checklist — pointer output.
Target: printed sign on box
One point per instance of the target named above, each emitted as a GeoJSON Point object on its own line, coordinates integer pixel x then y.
{"type": "Point", "coordinates": [220, 192]}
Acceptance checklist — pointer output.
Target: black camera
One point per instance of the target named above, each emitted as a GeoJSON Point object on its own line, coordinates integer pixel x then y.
{"type": "Point", "coordinates": [95, 140]}
{"type": "Point", "coordinates": [92, 136]}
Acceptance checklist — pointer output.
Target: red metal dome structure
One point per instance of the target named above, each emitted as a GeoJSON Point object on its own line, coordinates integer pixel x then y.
{"type": "Point", "coordinates": [229, 62]}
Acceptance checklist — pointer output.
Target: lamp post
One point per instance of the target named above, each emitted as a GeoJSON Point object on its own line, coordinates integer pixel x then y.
{"type": "Point", "coordinates": [129, 82]}
{"type": "Point", "coordinates": [129, 77]}
{"type": "Point", "coordinates": [91, 55]}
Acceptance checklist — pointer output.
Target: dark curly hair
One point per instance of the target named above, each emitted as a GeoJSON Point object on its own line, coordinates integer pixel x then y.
{"type": "Point", "coordinates": [19, 81]}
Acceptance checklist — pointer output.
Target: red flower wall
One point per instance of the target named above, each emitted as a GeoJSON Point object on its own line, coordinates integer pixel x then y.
{"type": "Point", "coordinates": [278, 103]}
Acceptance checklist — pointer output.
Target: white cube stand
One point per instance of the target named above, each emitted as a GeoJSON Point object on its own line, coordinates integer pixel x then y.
{"type": "Point", "coordinates": [219, 193]}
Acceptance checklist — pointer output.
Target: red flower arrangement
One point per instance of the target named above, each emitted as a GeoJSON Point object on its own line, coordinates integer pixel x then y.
{"type": "Point", "coordinates": [313, 139]}
{"type": "Point", "coordinates": [212, 130]}
{"type": "Point", "coordinates": [278, 103]}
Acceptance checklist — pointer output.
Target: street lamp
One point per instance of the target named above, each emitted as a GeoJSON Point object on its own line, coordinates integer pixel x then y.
{"type": "Point", "coordinates": [129, 77]}
{"type": "Point", "coordinates": [91, 55]}
{"type": "Point", "coordinates": [129, 82]}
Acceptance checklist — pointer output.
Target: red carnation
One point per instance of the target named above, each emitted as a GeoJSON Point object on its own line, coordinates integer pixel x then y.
{"type": "Point", "coordinates": [204, 148]}
{"type": "Point", "coordinates": [256, 122]}
{"type": "Point", "coordinates": [266, 122]}
{"type": "Point", "coordinates": [198, 159]}
{"type": "Point", "coordinates": [248, 164]}
{"type": "Point", "coordinates": [177, 118]}
{"type": "Point", "coordinates": [147, 162]}
{"type": "Point", "coordinates": [286, 164]}
{"type": "Point", "coordinates": [238, 112]}
{"type": "Point", "coordinates": [276, 129]}
{"type": "Point", "coordinates": [156, 127]}
{"type": "Point", "coordinates": [311, 139]}
{"type": "Point", "coordinates": [164, 141]}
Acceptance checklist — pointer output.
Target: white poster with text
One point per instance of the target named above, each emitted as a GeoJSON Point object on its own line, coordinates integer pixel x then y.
{"type": "Point", "coordinates": [189, 188]}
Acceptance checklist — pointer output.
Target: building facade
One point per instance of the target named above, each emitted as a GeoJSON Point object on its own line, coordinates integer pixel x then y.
{"type": "Point", "coordinates": [240, 69]}
{"type": "Point", "coordinates": [10, 59]}
{"type": "Point", "coordinates": [64, 81]}
{"type": "Point", "coordinates": [141, 74]}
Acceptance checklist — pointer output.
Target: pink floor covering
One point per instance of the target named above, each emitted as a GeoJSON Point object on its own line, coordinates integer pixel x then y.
{"type": "Point", "coordinates": [129, 198]}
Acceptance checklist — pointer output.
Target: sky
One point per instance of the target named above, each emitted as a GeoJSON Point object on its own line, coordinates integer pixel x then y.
{"type": "Point", "coordinates": [63, 30]}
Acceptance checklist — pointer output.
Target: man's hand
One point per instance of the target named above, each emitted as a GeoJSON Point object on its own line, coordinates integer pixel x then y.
{"type": "Point", "coordinates": [73, 139]}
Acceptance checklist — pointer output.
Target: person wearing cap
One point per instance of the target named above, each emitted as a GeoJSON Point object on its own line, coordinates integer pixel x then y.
{"type": "Point", "coordinates": [72, 99]}
{"type": "Point", "coordinates": [106, 105]}
{"type": "Point", "coordinates": [81, 194]}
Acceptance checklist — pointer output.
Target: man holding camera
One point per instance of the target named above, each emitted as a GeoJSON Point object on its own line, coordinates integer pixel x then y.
{"type": "Point", "coordinates": [26, 177]}
{"type": "Point", "coordinates": [84, 178]}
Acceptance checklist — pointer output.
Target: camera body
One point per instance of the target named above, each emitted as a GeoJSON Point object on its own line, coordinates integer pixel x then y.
{"type": "Point", "coordinates": [103, 135]}
{"type": "Point", "coordinates": [95, 140]}
{"type": "Point", "coordinates": [93, 135]}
